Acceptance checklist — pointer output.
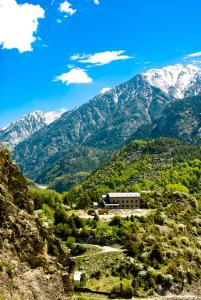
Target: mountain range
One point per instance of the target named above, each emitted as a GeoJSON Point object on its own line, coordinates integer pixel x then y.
{"type": "Point", "coordinates": [160, 102]}
{"type": "Point", "coordinates": [19, 130]}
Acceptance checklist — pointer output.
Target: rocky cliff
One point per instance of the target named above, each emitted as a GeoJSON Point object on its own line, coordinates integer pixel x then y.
{"type": "Point", "coordinates": [33, 264]}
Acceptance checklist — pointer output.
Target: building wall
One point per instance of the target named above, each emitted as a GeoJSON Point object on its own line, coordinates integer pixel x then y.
{"type": "Point", "coordinates": [127, 202]}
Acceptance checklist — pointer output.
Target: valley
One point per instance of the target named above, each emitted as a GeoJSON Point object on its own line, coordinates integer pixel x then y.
{"type": "Point", "coordinates": [100, 150]}
{"type": "Point", "coordinates": [64, 153]}
{"type": "Point", "coordinates": [159, 244]}
{"type": "Point", "coordinates": [140, 138]}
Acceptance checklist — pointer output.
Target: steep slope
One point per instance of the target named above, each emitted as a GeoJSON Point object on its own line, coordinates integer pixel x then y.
{"type": "Point", "coordinates": [104, 122]}
{"type": "Point", "coordinates": [19, 130]}
{"type": "Point", "coordinates": [181, 119]}
{"type": "Point", "coordinates": [73, 168]}
{"type": "Point", "coordinates": [159, 164]}
{"type": "Point", "coordinates": [29, 269]}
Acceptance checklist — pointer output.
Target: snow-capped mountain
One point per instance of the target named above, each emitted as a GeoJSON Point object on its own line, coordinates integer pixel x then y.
{"type": "Point", "coordinates": [19, 130]}
{"type": "Point", "coordinates": [177, 81]}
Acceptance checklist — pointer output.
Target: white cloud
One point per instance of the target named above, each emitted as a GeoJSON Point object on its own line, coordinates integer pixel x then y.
{"type": "Point", "coordinates": [101, 58]}
{"type": "Point", "coordinates": [105, 90]}
{"type": "Point", "coordinates": [75, 75]}
{"type": "Point", "coordinates": [97, 2]}
{"type": "Point", "coordinates": [70, 66]}
{"type": "Point", "coordinates": [18, 23]}
{"type": "Point", "coordinates": [66, 7]}
{"type": "Point", "coordinates": [196, 54]}
{"type": "Point", "coordinates": [78, 56]}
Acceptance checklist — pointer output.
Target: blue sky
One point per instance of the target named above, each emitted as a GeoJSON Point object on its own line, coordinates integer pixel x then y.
{"type": "Point", "coordinates": [152, 33]}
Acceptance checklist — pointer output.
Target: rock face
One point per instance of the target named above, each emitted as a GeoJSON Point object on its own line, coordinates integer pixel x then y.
{"type": "Point", "coordinates": [181, 119]}
{"type": "Point", "coordinates": [28, 267]}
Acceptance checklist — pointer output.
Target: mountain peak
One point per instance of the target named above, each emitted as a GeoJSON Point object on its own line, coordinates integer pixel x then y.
{"type": "Point", "coordinates": [174, 80]}
{"type": "Point", "coordinates": [18, 130]}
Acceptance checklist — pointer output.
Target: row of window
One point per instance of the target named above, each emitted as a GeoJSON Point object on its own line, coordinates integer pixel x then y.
{"type": "Point", "coordinates": [130, 201]}
{"type": "Point", "coordinates": [129, 206]}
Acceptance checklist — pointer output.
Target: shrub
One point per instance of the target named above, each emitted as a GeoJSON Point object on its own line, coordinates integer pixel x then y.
{"type": "Point", "coordinates": [177, 187]}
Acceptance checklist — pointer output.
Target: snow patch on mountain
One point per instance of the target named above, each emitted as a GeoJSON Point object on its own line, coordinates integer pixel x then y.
{"type": "Point", "coordinates": [175, 80]}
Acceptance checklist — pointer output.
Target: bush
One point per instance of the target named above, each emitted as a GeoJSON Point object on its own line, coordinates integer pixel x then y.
{"type": "Point", "coordinates": [177, 187]}
{"type": "Point", "coordinates": [116, 221]}
{"type": "Point", "coordinates": [78, 250]}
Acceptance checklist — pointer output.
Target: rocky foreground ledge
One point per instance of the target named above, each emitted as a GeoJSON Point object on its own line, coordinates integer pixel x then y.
{"type": "Point", "coordinates": [30, 268]}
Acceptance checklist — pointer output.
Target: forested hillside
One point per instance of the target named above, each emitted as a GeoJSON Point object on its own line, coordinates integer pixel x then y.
{"type": "Point", "coordinates": [160, 248]}
{"type": "Point", "coordinates": [162, 165]}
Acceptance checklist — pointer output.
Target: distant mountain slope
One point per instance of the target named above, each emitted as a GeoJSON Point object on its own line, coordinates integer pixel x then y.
{"type": "Point", "coordinates": [74, 167]}
{"type": "Point", "coordinates": [104, 122]}
{"type": "Point", "coordinates": [107, 122]}
{"type": "Point", "coordinates": [151, 164]}
{"type": "Point", "coordinates": [19, 130]}
{"type": "Point", "coordinates": [181, 119]}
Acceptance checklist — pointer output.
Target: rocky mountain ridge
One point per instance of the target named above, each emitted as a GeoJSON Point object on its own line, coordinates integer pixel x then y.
{"type": "Point", "coordinates": [103, 122]}
{"type": "Point", "coordinates": [19, 130]}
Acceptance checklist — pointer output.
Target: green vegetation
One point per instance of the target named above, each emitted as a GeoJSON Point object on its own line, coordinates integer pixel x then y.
{"type": "Point", "coordinates": [161, 251]}
{"type": "Point", "coordinates": [72, 168]}
{"type": "Point", "coordinates": [54, 212]}
{"type": "Point", "coordinates": [161, 165]}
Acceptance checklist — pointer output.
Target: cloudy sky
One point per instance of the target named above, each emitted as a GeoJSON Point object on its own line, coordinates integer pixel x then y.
{"type": "Point", "coordinates": [59, 54]}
